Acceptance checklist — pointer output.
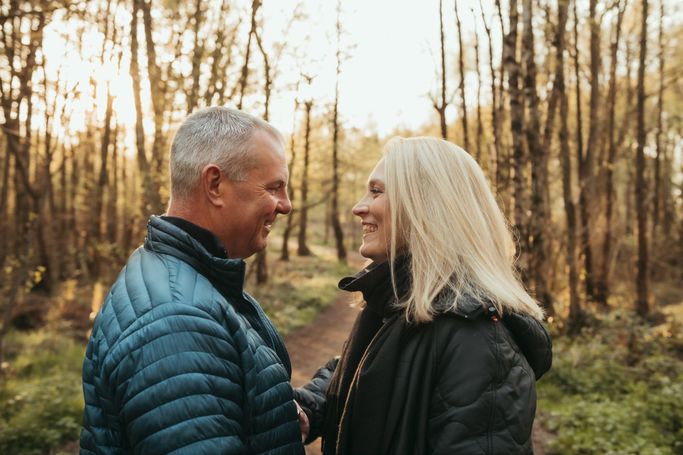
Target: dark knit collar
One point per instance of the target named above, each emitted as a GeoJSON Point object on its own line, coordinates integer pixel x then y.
{"type": "Point", "coordinates": [203, 236]}
{"type": "Point", "coordinates": [165, 237]}
{"type": "Point", "coordinates": [374, 282]}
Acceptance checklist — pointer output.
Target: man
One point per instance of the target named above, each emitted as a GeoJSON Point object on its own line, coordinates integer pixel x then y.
{"type": "Point", "coordinates": [180, 358]}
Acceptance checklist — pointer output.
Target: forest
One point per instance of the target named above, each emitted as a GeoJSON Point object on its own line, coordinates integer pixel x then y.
{"type": "Point", "coordinates": [571, 107]}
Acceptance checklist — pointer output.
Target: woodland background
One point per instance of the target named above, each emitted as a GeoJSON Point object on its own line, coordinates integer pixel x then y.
{"type": "Point", "coordinates": [572, 108]}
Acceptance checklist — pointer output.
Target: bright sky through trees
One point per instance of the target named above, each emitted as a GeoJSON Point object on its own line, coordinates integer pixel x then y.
{"type": "Point", "coordinates": [390, 48]}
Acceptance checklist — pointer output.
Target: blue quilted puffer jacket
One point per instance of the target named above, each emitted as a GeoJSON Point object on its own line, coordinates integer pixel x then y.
{"type": "Point", "coordinates": [181, 360]}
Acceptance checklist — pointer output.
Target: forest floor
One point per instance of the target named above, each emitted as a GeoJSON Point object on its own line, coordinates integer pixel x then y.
{"type": "Point", "coordinates": [615, 388]}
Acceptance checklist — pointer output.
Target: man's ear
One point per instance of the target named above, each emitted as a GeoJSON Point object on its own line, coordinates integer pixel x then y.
{"type": "Point", "coordinates": [212, 183]}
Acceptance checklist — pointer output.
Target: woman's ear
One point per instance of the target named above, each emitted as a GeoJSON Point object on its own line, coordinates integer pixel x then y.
{"type": "Point", "coordinates": [211, 180]}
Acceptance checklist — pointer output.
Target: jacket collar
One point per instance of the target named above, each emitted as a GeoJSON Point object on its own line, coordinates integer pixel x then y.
{"type": "Point", "coordinates": [374, 282]}
{"type": "Point", "coordinates": [164, 237]}
{"type": "Point", "coordinates": [207, 239]}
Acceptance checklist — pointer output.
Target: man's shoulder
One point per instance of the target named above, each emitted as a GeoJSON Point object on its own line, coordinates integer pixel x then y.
{"type": "Point", "coordinates": [152, 281]}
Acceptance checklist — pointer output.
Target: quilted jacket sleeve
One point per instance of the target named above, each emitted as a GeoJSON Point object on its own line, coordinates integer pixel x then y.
{"type": "Point", "coordinates": [177, 381]}
{"type": "Point", "coordinates": [311, 397]}
{"type": "Point", "coordinates": [481, 384]}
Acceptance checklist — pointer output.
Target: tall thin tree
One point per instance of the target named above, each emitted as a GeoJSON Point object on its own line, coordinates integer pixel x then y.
{"type": "Point", "coordinates": [540, 217]}
{"type": "Point", "coordinates": [582, 168]}
{"type": "Point", "coordinates": [495, 118]}
{"type": "Point", "coordinates": [151, 200]}
{"type": "Point", "coordinates": [461, 85]}
{"type": "Point", "coordinates": [441, 105]}
{"type": "Point", "coordinates": [334, 215]}
{"type": "Point", "coordinates": [602, 285]}
{"type": "Point", "coordinates": [517, 130]}
{"type": "Point", "coordinates": [576, 314]}
{"type": "Point", "coordinates": [642, 278]}
{"type": "Point", "coordinates": [303, 249]}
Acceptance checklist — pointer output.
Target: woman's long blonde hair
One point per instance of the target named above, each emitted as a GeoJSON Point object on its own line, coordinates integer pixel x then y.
{"type": "Point", "coordinates": [444, 213]}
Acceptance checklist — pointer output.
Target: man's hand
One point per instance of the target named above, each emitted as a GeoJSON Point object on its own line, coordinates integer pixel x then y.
{"type": "Point", "coordinates": [304, 425]}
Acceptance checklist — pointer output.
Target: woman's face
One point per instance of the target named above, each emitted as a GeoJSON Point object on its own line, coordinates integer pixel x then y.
{"type": "Point", "coordinates": [373, 211]}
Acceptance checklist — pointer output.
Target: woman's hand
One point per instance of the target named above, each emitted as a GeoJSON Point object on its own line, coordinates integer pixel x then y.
{"type": "Point", "coordinates": [303, 422]}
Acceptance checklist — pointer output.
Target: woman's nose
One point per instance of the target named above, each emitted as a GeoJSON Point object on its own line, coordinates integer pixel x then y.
{"type": "Point", "coordinates": [361, 208]}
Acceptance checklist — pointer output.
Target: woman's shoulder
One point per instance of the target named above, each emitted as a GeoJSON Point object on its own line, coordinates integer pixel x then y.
{"type": "Point", "coordinates": [475, 325]}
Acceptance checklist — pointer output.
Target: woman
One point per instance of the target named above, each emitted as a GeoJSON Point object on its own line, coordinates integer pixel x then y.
{"type": "Point", "coordinates": [444, 356]}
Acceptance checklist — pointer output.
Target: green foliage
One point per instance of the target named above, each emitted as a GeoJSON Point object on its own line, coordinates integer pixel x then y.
{"type": "Point", "coordinates": [616, 389]}
{"type": "Point", "coordinates": [41, 401]}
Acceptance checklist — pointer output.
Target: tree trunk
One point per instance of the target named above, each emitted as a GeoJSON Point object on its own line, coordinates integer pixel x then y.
{"type": "Point", "coordinates": [112, 202]}
{"type": "Point", "coordinates": [576, 315]}
{"type": "Point", "coordinates": [244, 75]}
{"type": "Point", "coordinates": [625, 126]}
{"type": "Point", "coordinates": [540, 217]}
{"type": "Point", "coordinates": [480, 126]}
{"type": "Point", "coordinates": [4, 197]}
{"type": "Point", "coordinates": [151, 200]}
{"type": "Point", "coordinates": [440, 107]}
{"type": "Point", "coordinates": [104, 174]}
{"type": "Point", "coordinates": [215, 77]}
{"type": "Point", "coordinates": [495, 118]}
{"type": "Point", "coordinates": [158, 96]}
{"type": "Point", "coordinates": [303, 249]}
{"type": "Point", "coordinates": [261, 256]}
{"type": "Point", "coordinates": [461, 86]}
{"type": "Point", "coordinates": [603, 284]}
{"type": "Point", "coordinates": [334, 215]}
{"type": "Point", "coordinates": [284, 255]}
{"type": "Point", "coordinates": [197, 53]}
{"type": "Point", "coordinates": [517, 129]}
{"type": "Point", "coordinates": [503, 158]}
{"type": "Point", "coordinates": [656, 203]}
{"type": "Point", "coordinates": [588, 161]}
{"type": "Point", "coordinates": [582, 169]}
{"type": "Point", "coordinates": [642, 306]}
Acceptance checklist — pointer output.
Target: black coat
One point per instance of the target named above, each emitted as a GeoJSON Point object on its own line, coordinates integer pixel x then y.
{"type": "Point", "coordinates": [461, 384]}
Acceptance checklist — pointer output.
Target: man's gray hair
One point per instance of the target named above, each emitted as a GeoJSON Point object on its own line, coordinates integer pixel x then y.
{"type": "Point", "coordinates": [214, 135]}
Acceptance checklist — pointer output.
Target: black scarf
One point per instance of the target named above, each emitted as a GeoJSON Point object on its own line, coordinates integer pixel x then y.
{"type": "Point", "coordinates": [373, 325]}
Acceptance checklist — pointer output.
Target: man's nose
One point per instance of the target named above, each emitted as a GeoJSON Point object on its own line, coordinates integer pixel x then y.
{"type": "Point", "coordinates": [284, 205]}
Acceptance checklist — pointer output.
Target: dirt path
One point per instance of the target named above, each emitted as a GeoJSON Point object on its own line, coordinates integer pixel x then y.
{"type": "Point", "coordinates": [312, 346]}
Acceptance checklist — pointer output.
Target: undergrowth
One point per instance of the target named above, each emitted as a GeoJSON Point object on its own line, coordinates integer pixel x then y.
{"type": "Point", "coordinates": [616, 389]}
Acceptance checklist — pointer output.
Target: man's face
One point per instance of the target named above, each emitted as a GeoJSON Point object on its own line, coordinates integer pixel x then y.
{"type": "Point", "coordinates": [252, 205]}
